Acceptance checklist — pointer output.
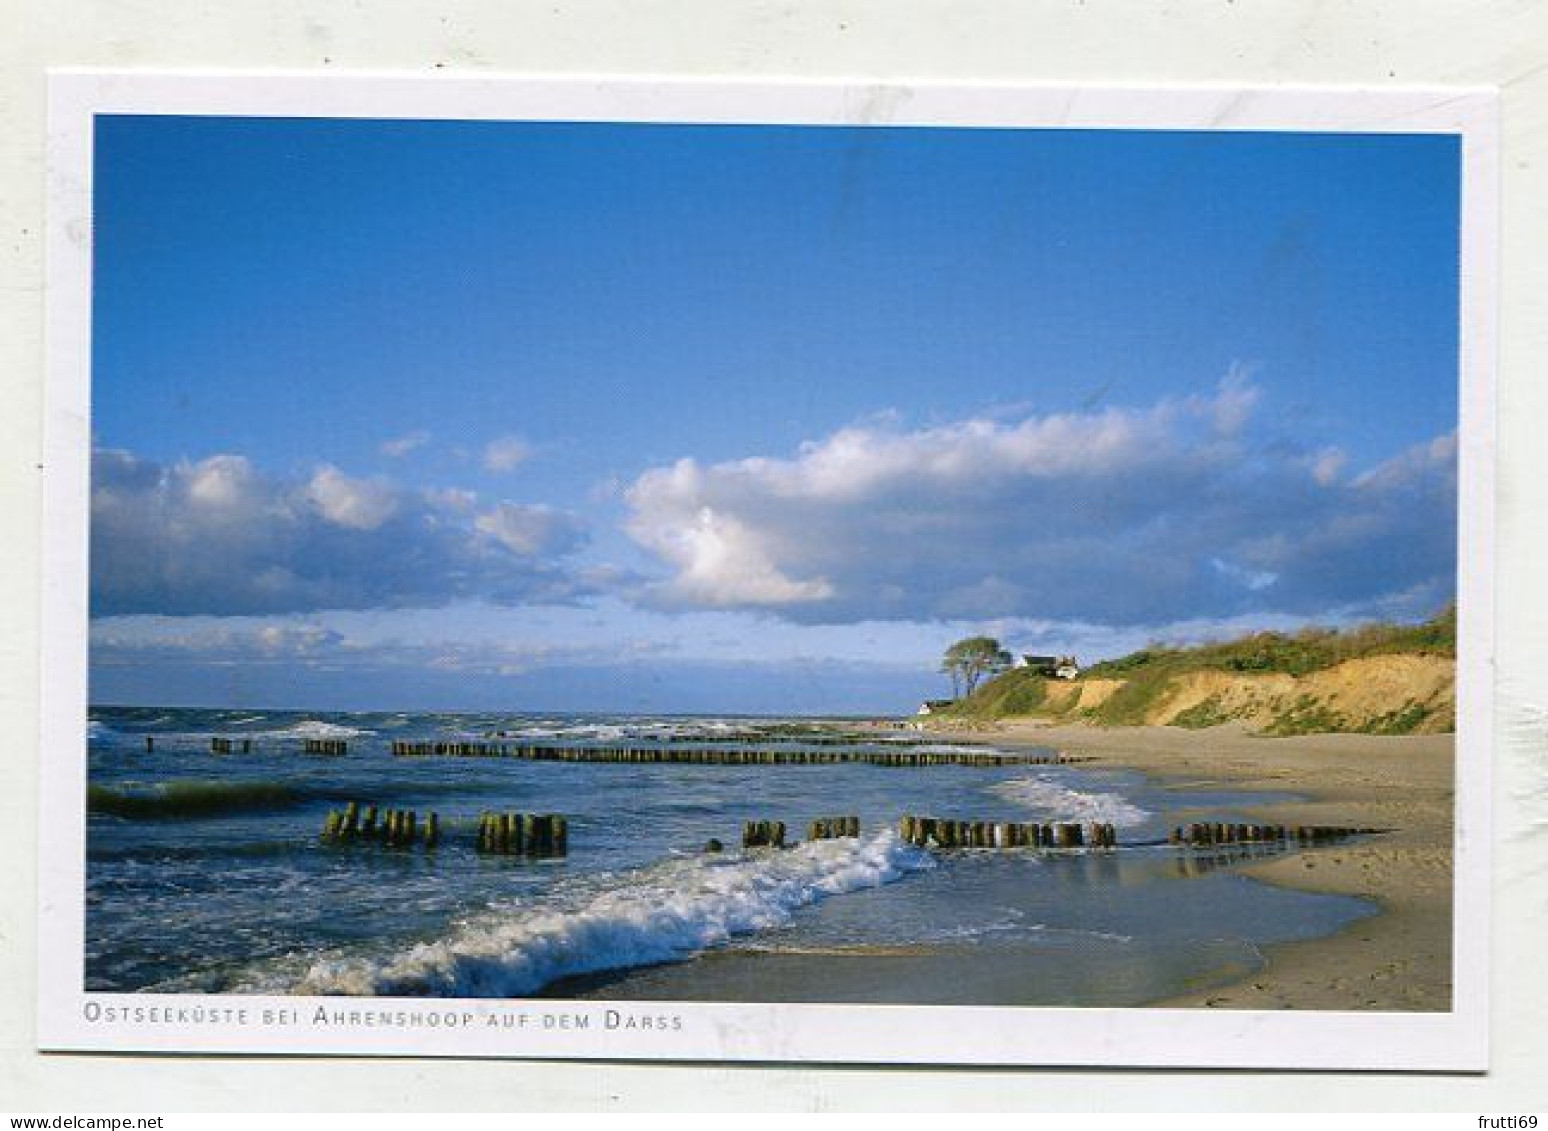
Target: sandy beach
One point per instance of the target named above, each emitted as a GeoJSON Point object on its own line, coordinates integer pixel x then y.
{"type": "Point", "coordinates": [1397, 960]}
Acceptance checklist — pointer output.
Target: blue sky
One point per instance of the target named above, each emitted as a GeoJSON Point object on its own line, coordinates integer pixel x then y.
{"type": "Point", "coordinates": [570, 416]}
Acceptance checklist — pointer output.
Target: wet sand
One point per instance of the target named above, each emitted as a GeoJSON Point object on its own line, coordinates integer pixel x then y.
{"type": "Point", "coordinates": [1397, 960]}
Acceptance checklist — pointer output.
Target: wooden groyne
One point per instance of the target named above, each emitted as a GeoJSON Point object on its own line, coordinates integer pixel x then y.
{"type": "Point", "coordinates": [723, 755]}
{"type": "Point", "coordinates": [504, 834]}
{"type": "Point", "coordinates": [763, 834]}
{"type": "Point", "coordinates": [928, 832]}
{"type": "Point", "coordinates": [793, 736]}
{"type": "Point", "coordinates": [528, 834]}
{"type": "Point", "coordinates": [832, 828]}
{"type": "Point", "coordinates": [1209, 835]}
{"type": "Point", "coordinates": [333, 747]}
{"type": "Point", "coordinates": [396, 828]}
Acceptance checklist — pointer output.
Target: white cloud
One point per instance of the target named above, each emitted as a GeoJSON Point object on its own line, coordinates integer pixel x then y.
{"type": "Point", "coordinates": [221, 482]}
{"type": "Point", "coordinates": [359, 504]}
{"type": "Point", "coordinates": [722, 563]}
{"type": "Point", "coordinates": [1327, 465]}
{"type": "Point", "coordinates": [403, 445]}
{"type": "Point", "coordinates": [506, 453]}
{"type": "Point", "coordinates": [220, 537]}
{"type": "Point", "coordinates": [1234, 401]}
{"type": "Point", "coordinates": [452, 498]}
{"type": "Point", "coordinates": [529, 530]}
{"type": "Point", "coordinates": [1413, 468]}
{"type": "Point", "coordinates": [1121, 516]}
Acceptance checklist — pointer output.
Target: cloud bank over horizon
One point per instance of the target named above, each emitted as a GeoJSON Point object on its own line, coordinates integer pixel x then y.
{"type": "Point", "coordinates": [1179, 511]}
{"type": "Point", "coordinates": [858, 556]}
{"type": "Point", "coordinates": [1121, 517]}
{"type": "Point", "coordinates": [218, 536]}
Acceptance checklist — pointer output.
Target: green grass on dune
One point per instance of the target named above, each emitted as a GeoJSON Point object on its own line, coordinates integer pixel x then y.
{"type": "Point", "coordinates": [1300, 653]}
{"type": "Point", "coordinates": [1019, 691]}
{"type": "Point", "coordinates": [1147, 676]}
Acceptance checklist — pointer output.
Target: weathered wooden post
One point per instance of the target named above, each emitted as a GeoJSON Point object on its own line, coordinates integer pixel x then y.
{"type": "Point", "coordinates": [432, 830]}
{"type": "Point", "coordinates": [150, 745]}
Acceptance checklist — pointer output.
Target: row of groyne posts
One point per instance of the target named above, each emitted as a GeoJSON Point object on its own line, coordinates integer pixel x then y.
{"type": "Point", "coordinates": [1206, 835]}
{"type": "Point", "coordinates": [219, 745]}
{"type": "Point", "coordinates": [722, 755]}
{"type": "Point", "coordinates": [935, 832]}
{"type": "Point", "coordinates": [502, 834]}
{"type": "Point", "coordinates": [547, 834]}
{"type": "Point", "coordinates": [771, 834]}
{"type": "Point", "coordinates": [696, 755]}
{"type": "Point", "coordinates": [926, 831]}
{"type": "Point", "coordinates": [395, 828]}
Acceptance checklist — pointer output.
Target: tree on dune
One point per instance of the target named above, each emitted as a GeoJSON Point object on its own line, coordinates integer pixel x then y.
{"type": "Point", "coordinates": [968, 661]}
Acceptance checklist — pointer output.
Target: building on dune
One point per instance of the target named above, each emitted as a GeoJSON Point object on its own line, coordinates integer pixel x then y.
{"type": "Point", "coordinates": [1054, 667]}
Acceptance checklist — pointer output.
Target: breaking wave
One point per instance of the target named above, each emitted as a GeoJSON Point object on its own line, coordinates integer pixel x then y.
{"type": "Point", "coordinates": [316, 728]}
{"type": "Point", "coordinates": [187, 798]}
{"type": "Point", "coordinates": [1056, 802]}
{"type": "Point", "coordinates": [666, 912]}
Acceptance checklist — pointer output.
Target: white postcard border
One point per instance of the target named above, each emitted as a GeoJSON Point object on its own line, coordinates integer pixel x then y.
{"type": "Point", "coordinates": [69, 1018]}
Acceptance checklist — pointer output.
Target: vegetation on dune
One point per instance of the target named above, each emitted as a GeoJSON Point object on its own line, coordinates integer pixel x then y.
{"type": "Point", "coordinates": [1146, 679]}
{"type": "Point", "coordinates": [1300, 653]}
{"type": "Point", "coordinates": [1020, 691]}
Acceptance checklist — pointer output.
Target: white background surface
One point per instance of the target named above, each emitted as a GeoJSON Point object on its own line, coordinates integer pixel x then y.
{"type": "Point", "coordinates": [1265, 41]}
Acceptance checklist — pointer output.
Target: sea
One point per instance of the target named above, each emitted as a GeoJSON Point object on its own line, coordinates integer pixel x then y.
{"type": "Point", "coordinates": [207, 872]}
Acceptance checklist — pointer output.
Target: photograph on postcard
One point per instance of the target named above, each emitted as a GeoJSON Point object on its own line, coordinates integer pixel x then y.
{"type": "Point", "coordinates": [760, 563]}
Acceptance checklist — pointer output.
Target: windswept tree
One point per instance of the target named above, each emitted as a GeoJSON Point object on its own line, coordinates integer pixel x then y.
{"type": "Point", "coordinates": [968, 661]}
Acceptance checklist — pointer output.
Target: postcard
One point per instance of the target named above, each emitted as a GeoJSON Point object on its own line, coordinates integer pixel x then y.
{"type": "Point", "coordinates": [768, 571]}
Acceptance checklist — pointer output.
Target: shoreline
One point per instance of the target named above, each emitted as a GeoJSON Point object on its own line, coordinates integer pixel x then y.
{"type": "Point", "coordinates": [1398, 959]}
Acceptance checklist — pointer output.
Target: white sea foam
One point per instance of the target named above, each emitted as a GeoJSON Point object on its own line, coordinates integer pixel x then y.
{"type": "Point", "coordinates": [1105, 936]}
{"type": "Point", "coordinates": [666, 912]}
{"type": "Point", "coordinates": [306, 728]}
{"type": "Point", "coordinates": [316, 728]}
{"type": "Point", "coordinates": [1052, 801]}
{"type": "Point", "coordinates": [655, 730]}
